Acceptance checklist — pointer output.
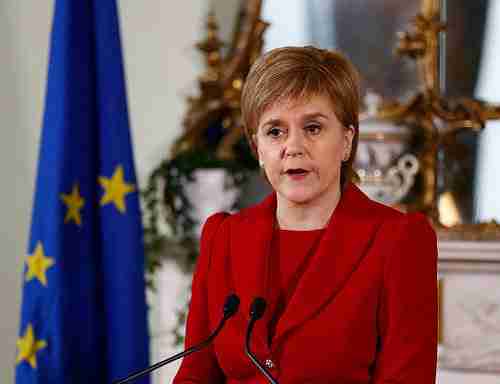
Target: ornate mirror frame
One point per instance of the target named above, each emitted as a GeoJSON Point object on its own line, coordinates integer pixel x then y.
{"type": "Point", "coordinates": [221, 83]}
{"type": "Point", "coordinates": [437, 117]}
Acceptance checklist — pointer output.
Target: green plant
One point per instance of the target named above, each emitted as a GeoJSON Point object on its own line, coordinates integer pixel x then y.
{"type": "Point", "coordinates": [169, 225]}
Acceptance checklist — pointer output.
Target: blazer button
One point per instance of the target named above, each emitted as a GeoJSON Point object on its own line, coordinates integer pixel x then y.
{"type": "Point", "coordinates": [269, 364]}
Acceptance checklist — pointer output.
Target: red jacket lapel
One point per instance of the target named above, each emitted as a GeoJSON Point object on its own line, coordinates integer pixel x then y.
{"type": "Point", "coordinates": [341, 249]}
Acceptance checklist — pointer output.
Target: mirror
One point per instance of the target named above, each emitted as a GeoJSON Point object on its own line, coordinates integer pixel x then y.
{"type": "Point", "coordinates": [366, 31]}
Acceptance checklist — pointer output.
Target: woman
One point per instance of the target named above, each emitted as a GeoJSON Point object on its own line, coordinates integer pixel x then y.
{"type": "Point", "coordinates": [350, 284]}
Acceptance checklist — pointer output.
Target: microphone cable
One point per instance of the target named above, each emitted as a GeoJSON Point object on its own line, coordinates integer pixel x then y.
{"type": "Point", "coordinates": [231, 306]}
{"type": "Point", "coordinates": [257, 309]}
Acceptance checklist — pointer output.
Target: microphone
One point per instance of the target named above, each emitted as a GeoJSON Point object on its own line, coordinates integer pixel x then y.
{"type": "Point", "coordinates": [257, 309]}
{"type": "Point", "coordinates": [231, 306]}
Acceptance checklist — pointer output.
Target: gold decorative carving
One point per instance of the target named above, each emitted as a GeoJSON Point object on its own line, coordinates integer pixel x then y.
{"type": "Point", "coordinates": [221, 84]}
{"type": "Point", "coordinates": [487, 231]}
{"type": "Point", "coordinates": [437, 117]}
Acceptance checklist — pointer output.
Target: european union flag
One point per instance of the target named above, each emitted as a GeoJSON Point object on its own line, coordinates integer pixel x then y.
{"type": "Point", "coordinates": [83, 316]}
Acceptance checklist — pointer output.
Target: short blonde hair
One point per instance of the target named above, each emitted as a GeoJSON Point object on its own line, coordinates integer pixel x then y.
{"type": "Point", "coordinates": [298, 73]}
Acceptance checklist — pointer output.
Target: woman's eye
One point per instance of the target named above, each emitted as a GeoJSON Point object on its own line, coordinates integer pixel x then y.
{"type": "Point", "coordinates": [274, 132]}
{"type": "Point", "coordinates": [313, 128]}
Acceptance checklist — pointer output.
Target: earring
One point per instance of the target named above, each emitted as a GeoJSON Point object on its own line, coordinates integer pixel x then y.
{"type": "Point", "coordinates": [261, 163]}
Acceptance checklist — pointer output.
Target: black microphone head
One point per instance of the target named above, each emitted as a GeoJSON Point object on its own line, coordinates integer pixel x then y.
{"type": "Point", "coordinates": [231, 305]}
{"type": "Point", "coordinates": [257, 308]}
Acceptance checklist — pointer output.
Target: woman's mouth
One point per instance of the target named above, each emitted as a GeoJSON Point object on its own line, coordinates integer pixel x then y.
{"type": "Point", "coordinates": [297, 173]}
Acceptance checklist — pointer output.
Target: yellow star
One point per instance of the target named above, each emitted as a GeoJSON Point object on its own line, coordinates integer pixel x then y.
{"type": "Point", "coordinates": [115, 189]}
{"type": "Point", "coordinates": [28, 346]}
{"type": "Point", "coordinates": [38, 264]}
{"type": "Point", "coordinates": [74, 202]}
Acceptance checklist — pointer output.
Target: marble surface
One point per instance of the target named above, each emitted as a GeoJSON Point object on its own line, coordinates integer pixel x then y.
{"type": "Point", "coordinates": [172, 294]}
{"type": "Point", "coordinates": [470, 308]}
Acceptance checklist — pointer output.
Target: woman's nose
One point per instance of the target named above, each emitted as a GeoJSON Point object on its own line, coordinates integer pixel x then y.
{"type": "Point", "coordinates": [294, 145]}
{"type": "Point", "coordinates": [294, 152]}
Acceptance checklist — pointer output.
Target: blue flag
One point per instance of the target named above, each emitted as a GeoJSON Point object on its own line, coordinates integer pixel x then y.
{"type": "Point", "coordinates": [83, 316]}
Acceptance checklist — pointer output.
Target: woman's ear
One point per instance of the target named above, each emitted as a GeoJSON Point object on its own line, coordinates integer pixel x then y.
{"type": "Point", "coordinates": [256, 150]}
{"type": "Point", "coordinates": [349, 133]}
{"type": "Point", "coordinates": [254, 140]}
{"type": "Point", "coordinates": [253, 143]}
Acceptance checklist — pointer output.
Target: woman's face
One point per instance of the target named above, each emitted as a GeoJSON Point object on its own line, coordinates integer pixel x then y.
{"type": "Point", "coordinates": [301, 145]}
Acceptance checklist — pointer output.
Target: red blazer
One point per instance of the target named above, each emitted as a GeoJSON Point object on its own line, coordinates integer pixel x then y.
{"type": "Point", "coordinates": [364, 311]}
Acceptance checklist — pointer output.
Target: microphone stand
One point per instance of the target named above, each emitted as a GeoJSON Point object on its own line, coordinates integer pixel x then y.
{"type": "Point", "coordinates": [230, 308]}
{"type": "Point", "coordinates": [257, 309]}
